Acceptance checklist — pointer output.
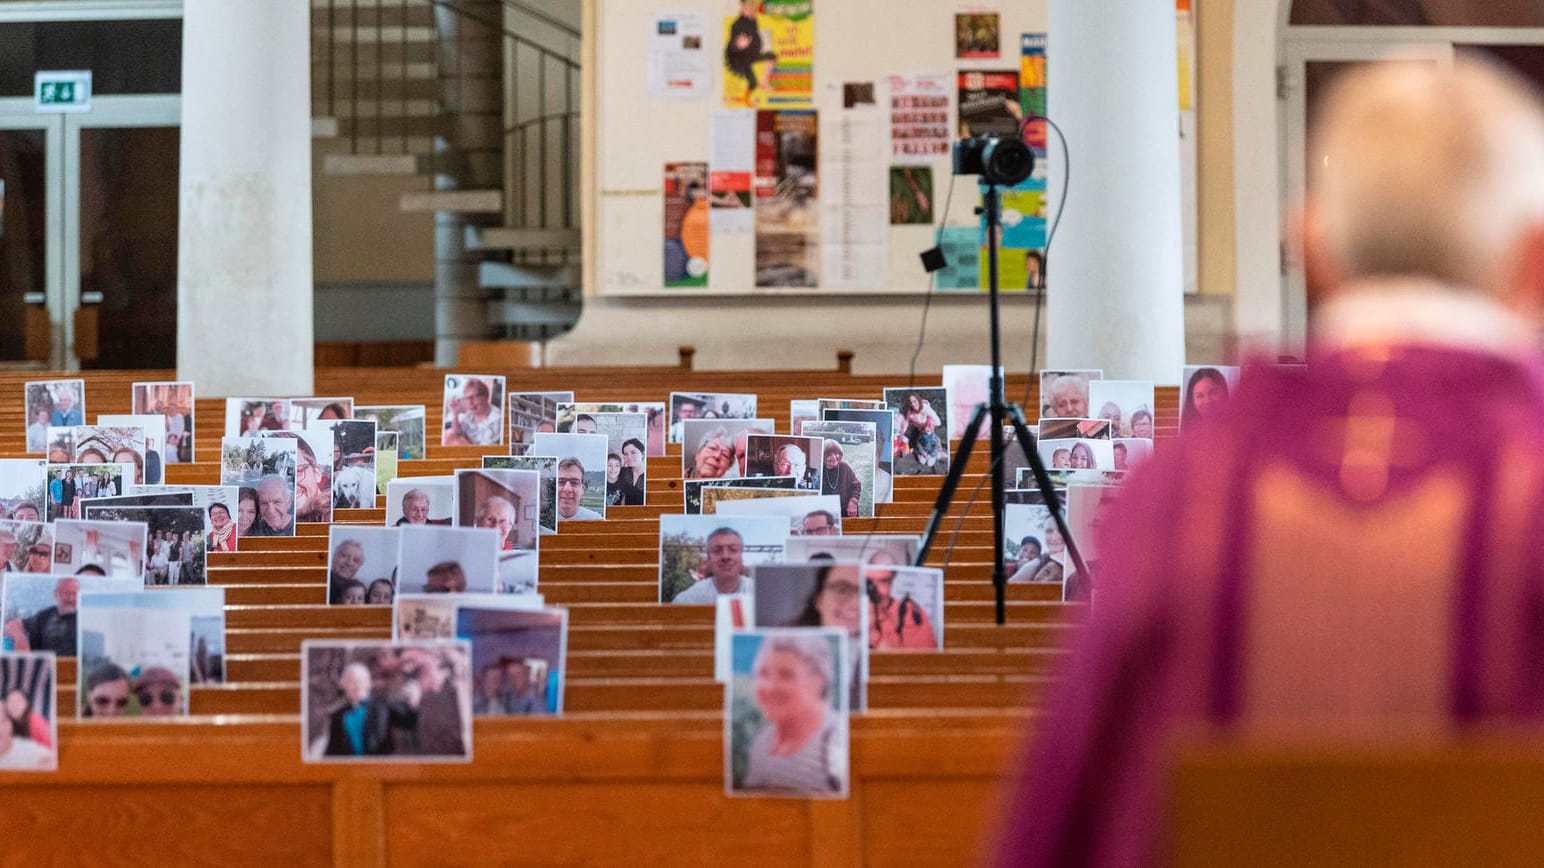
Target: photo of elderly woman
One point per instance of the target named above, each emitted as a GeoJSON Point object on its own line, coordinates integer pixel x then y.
{"type": "Point", "coordinates": [820, 594]}
{"type": "Point", "coordinates": [785, 714]}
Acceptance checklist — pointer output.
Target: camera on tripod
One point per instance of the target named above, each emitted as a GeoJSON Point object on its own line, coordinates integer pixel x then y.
{"type": "Point", "coordinates": [998, 160]}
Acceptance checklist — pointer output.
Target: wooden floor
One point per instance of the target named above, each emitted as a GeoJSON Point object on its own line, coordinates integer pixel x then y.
{"type": "Point", "coordinates": [631, 774]}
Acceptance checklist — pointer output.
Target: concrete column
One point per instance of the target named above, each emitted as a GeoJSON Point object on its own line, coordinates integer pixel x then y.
{"type": "Point", "coordinates": [244, 238]}
{"type": "Point", "coordinates": [1115, 271]}
{"type": "Point", "coordinates": [470, 155]}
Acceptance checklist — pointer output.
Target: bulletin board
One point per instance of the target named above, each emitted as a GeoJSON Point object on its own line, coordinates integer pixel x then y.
{"type": "Point", "coordinates": [657, 152]}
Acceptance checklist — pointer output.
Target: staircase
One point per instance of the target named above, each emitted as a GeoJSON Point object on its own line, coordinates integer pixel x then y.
{"type": "Point", "coordinates": [387, 79]}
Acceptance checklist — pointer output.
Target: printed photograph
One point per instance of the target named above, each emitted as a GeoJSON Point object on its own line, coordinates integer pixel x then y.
{"type": "Point", "coordinates": [26, 547]}
{"type": "Point", "coordinates": [305, 412]}
{"type": "Point", "coordinates": [473, 411]}
{"type": "Point", "coordinates": [95, 444]}
{"type": "Point", "coordinates": [107, 548]}
{"type": "Point", "coordinates": [1076, 454]}
{"type": "Point", "coordinates": [966, 386]}
{"type": "Point", "coordinates": [715, 448]}
{"type": "Point", "coordinates": [38, 612]}
{"type": "Point", "coordinates": [23, 484]}
{"type": "Point", "coordinates": [713, 495]}
{"type": "Point", "coordinates": [28, 684]}
{"type": "Point", "coordinates": [53, 404]}
{"type": "Point", "coordinates": [1128, 452]}
{"type": "Point", "coordinates": [362, 565]}
{"type": "Point", "coordinates": [547, 467]}
{"type": "Point", "coordinates": [1088, 508]}
{"type": "Point", "coordinates": [820, 595]}
{"type": "Point", "coordinates": [1074, 429]}
{"type": "Point", "coordinates": [447, 560]}
{"type": "Point", "coordinates": [250, 417]}
{"type": "Point", "coordinates": [1204, 392]}
{"type": "Point", "coordinates": [517, 659]}
{"type": "Point", "coordinates": [385, 461]}
{"type": "Point", "coordinates": [386, 701]}
{"type": "Point", "coordinates": [824, 404]}
{"type": "Point", "coordinates": [1032, 544]}
{"type": "Point", "coordinates": [703, 556]}
{"type": "Point", "coordinates": [801, 411]}
{"type": "Point", "coordinates": [206, 621]}
{"type": "Point", "coordinates": [353, 463]}
{"type": "Point", "coordinates": [422, 500]}
{"type": "Point", "coordinates": [134, 662]}
{"type": "Point", "coordinates": [911, 195]}
{"type": "Point", "coordinates": [176, 553]}
{"type": "Point", "coordinates": [433, 616]}
{"type": "Point", "coordinates": [174, 402]}
{"type": "Point", "coordinates": [531, 413]}
{"type": "Point", "coordinates": [694, 488]}
{"type": "Point", "coordinates": [805, 514]}
{"type": "Point", "coordinates": [785, 713]}
{"type": "Point", "coordinates": [406, 420]}
{"type": "Point", "coordinates": [919, 424]}
{"type": "Point", "coordinates": [265, 466]}
{"type": "Point", "coordinates": [1063, 478]}
{"type": "Point", "coordinates": [154, 428]}
{"type": "Point", "coordinates": [220, 505]}
{"type": "Point", "coordinates": [313, 472]}
{"type": "Point", "coordinates": [884, 439]}
{"type": "Point", "coordinates": [785, 455]}
{"type": "Point", "coordinates": [700, 405]}
{"type": "Point", "coordinates": [623, 431]}
{"type": "Point", "coordinates": [1064, 394]}
{"type": "Point", "coordinates": [581, 477]}
{"type": "Point", "coordinates": [850, 469]}
{"type": "Point", "coordinates": [905, 605]}
{"type": "Point", "coordinates": [507, 501]}
{"type": "Point", "coordinates": [976, 35]}
{"type": "Point", "coordinates": [1126, 404]}
{"type": "Point", "coordinates": [896, 548]}
{"type": "Point", "coordinates": [653, 411]}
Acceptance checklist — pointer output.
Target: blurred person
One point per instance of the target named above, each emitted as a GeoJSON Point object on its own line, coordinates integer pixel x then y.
{"type": "Point", "coordinates": [802, 746]}
{"type": "Point", "coordinates": [838, 478]}
{"type": "Point", "coordinates": [819, 522]}
{"type": "Point", "coordinates": [158, 692]}
{"type": "Point", "coordinates": [571, 488]}
{"type": "Point", "coordinates": [1205, 394]}
{"type": "Point", "coordinates": [366, 724]}
{"type": "Point", "coordinates": [381, 593]}
{"type": "Point", "coordinates": [24, 722]}
{"type": "Point", "coordinates": [894, 623]}
{"type": "Point", "coordinates": [723, 556]}
{"type": "Point", "coordinates": [476, 420]}
{"type": "Point", "coordinates": [107, 692]}
{"type": "Point", "coordinates": [51, 629]}
{"type": "Point", "coordinates": [445, 577]}
{"type": "Point", "coordinates": [498, 513]}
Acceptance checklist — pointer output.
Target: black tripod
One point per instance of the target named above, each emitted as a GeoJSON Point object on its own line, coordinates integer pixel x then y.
{"type": "Point", "coordinates": [994, 412]}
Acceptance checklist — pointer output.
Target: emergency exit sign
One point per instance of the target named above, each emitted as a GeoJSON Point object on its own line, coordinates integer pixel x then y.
{"type": "Point", "coordinates": [60, 91]}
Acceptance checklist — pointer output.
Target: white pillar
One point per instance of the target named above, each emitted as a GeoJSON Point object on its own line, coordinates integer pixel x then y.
{"type": "Point", "coordinates": [244, 238]}
{"type": "Point", "coordinates": [1115, 271]}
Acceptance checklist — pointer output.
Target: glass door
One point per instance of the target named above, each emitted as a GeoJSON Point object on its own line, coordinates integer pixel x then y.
{"type": "Point", "coordinates": [30, 165]}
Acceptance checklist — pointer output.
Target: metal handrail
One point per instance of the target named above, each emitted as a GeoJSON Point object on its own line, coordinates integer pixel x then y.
{"type": "Point", "coordinates": [542, 17]}
{"type": "Point", "coordinates": [497, 27]}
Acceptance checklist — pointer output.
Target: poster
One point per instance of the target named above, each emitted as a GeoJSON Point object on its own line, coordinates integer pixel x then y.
{"type": "Point", "coordinates": [921, 119]}
{"type": "Point", "coordinates": [961, 246]}
{"type": "Point", "coordinates": [787, 197]}
{"type": "Point", "coordinates": [911, 195]}
{"type": "Point", "coordinates": [1032, 91]}
{"type": "Point", "coordinates": [731, 162]}
{"type": "Point", "coordinates": [678, 63]}
{"type": "Point", "coordinates": [1185, 28]}
{"type": "Point", "coordinates": [976, 35]}
{"type": "Point", "coordinates": [1021, 241]}
{"type": "Point", "coordinates": [686, 224]}
{"type": "Point", "coordinates": [989, 102]}
{"type": "Point", "coordinates": [855, 238]}
{"type": "Point", "coordinates": [769, 55]}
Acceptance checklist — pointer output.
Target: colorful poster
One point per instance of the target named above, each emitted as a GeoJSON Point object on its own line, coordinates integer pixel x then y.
{"type": "Point", "coordinates": [769, 55]}
{"type": "Point", "coordinates": [731, 162]}
{"type": "Point", "coordinates": [989, 102]}
{"type": "Point", "coordinates": [920, 117]}
{"type": "Point", "coordinates": [976, 35]}
{"type": "Point", "coordinates": [961, 247]}
{"type": "Point", "coordinates": [1021, 239]}
{"type": "Point", "coordinates": [686, 224]}
{"type": "Point", "coordinates": [1032, 91]}
{"type": "Point", "coordinates": [787, 197]}
{"type": "Point", "coordinates": [911, 195]}
{"type": "Point", "coordinates": [678, 64]}
{"type": "Point", "coordinates": [1185, 28]}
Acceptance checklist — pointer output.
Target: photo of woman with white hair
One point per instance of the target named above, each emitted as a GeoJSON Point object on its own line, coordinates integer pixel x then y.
{"type": "Point", "coordinates": [787, 721]}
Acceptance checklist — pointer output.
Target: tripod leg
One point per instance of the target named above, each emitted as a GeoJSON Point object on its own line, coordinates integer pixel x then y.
{"type": "Point", "coordinates": [951, 482]}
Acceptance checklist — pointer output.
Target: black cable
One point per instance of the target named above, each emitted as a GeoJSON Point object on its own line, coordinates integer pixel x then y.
{"type": "Point", "coordinates": [932, 282]}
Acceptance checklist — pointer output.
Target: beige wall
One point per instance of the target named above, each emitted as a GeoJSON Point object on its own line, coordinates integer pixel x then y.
{"type": "Point", "coordinates": [360, 235]}
{"type": "Point", "coordinates": [1214, 161]}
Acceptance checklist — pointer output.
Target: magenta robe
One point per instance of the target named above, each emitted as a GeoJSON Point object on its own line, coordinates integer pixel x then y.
{"type": "Point", "coordinates": [1354, 548]}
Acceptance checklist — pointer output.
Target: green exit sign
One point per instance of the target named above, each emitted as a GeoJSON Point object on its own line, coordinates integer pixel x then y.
{"type": "Point", "coordinates": [55, 91]}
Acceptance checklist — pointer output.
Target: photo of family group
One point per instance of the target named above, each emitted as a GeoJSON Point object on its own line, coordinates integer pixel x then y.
{"type": "Point", "coordinates": [176, 553]}
{"type": "Point", "coordinates": [53, 404]}
{"type": "Point", "coordinates": [266, 467]}
{"type": "Point", "coordinates": [785, 715]}
{"type": "Point", "coordinates": [174, 403]}
{"type": "Point", "coordinates": [473, 412]}
{"type": "Point", "coordinates": [1077, 454]}
{"type": "Point", "coordinates": [626, 453]}
{"type": "Point", "coordinates": [29, 736]}
{"type": "Point", "coordinates": [517, 657]}
{"type": "Point", "coordinates": [1126, 404]}
{"type": "Point", "coordinates": [362, 565]}
{"type": "Point", "coordinates": [407, 421]}
{"type": "Point", "coordinates": [381, 701]}
{"type": "Point", "coordinates": [581, 476]}
{"type": "Point", "coordinates": [920, 423]}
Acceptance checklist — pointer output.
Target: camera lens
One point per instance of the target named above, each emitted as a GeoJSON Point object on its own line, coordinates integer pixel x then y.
{"type": "Point", "coordinates": [1007, 161]}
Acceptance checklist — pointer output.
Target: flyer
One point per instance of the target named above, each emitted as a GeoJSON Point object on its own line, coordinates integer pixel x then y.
{"type": "Point", "coordinates": [921, 119]}
{"type": "Point", "coordinates": [976, 35]}
{"type": "Point", "coordinates": [769, 54]}
{"type": "Point", "coordinates": [1032, 91]}
{"type": "Point", "coordinates": [855, 194]}
{"type": "Point", "coordinates": [686, 224]}
{"type": "Point", "coordinates": [989, 102]}
{"type": "Point", "coordinates": [962, 252]}
{"type": "Point", "coordinates": [731, 163]}
{"type": "Point", "coordinates": [678, 63]}
{"type": "Point", "coordinates": [786, 199]}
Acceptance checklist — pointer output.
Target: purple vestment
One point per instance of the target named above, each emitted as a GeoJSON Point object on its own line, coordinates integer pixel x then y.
{"type": "Point", "coordinates": [1356, 547]}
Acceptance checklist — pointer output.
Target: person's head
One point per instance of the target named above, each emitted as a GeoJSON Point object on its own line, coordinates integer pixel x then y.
{"type": "Point", "coordinates": [879, 575]}
{"type": "Point", "coordinates": [1034, 268]}
{"type": "Point", "coordinates": [1082, 457]}
{"type": "Point", "coordinates": [65, 401]}
{"type": "Point", "coordinates": [715, 451]}
{"type": "Point", "coordinates": [1205, 393]}
{"type": "Point", "coordinates": [40, 413]}
{"type": "Point", "coordinates": [819, 522]}
{"type": "Point", "coordinates": [687, 410]}
{"type": "Point", "coordinates": [159, 692]}
{"type": "Point", "coordinates": [1054, 544]}
{"type": "Point", "coordinates": [570, 487]}
{"type": "Point", "coordinates": [309, 477]}
{"type": "Point", "coordinates": [613, 468]}
{"type": "Point", "coordinates": [633, 453]}
{"type": "Point", "coordinates": [793, 677]}
{"type": "Point", "coordinates": [1142, 423]}
{"type": "Point", "coordinates": [498, 513]}
{"type": "Point", "coordinates": [834, 602]}
{"type": "Point", "coordinates": [16, 705]}
{"type": "Point", "coordinates": [219, 516]}
{"type": "Point", "coordinates": [1375, 209]}
{"type": "Point", "coordinates": [274, 502]}
{"type": "Point", "coordinates": [8, 543]}
{"type": "Point", "coordinates": [832, 454]}
{"type": "Point", "coordinates": [914, 403]}
{"type": "Point", "coordinates": [1120, 456]}
{"type": "Point", "coordinates": [518, 675]}
{"type": "Point", "coordinates": [789, 461]}
{"type": "Point", "coordinates": [415, 506]}
{"type": "Point", "coordinates": [276, 409]}
{"type": "Point", "coordinates": [1029, 550]}
{"type": "Point", "coordinates": [1110, 412]}
{"type": "Point", "coordinates": [1061, 458]}
{"type": "Point", "coordinates": [246, 510]}
{"type": "Point", "coordinates": [347, 558]}
{"type": "Point", "coordinates": [584, 423]}
{"type": "Point", "coordinates": [725, 550]}
{"type": "Point", "coordinates": [749, 8]}
{"type": "Point", "coordinates": [355, 682]}
{"type": "Point", "coordinates": [380, 593]}
{"type": "Point", "coordinates": [477, 396]}
{"type": "Point", "coordinates": [91, 570]}
{"type": "Point", "coordinates": [39, 557]}
{"type": "Point", "coordinates": [67, 595]}
{"type": "Point", "coordinates": [129, 456]}
{"type": "Point", "coordinates": [1069, 397]}
{"type": "Point", "coordinates": [490, 680]}
{"type": "Point", "coordinates": [333, 410]}
{"type": "Point", "coordinates": [25, 511]}
{"type": "Point", "coordinates": [353, 593]}
{"type": "Point", "coordinates": [107, 691]}
{"type": "Point", "coordinates": [91, 455]}
{"type": "Point", "coordinates": [445, 577]}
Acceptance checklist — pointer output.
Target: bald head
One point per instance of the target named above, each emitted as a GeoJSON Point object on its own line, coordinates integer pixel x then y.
{"type": "Point", "coordinates": [1424, 171]}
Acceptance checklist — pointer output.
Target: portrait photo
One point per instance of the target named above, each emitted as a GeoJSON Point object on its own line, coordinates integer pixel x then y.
{"type": "Point", "coordinates": [26, 547]}
{"type": "Point", "coordinates": [701, 405]}
{"type": "Point", "coordinates": [517, 659]}
{"type": "Point", "coordinates": [406, 419]}
{"type": "Point", "coordinates": [23, 488]}
{"type": "Point", "coordinates": [362, 565]}
{"type": "Point", "coordinates": [825, 594]}
{"type": "Point", "coordinates": [715, 448]}
{"type": "Point", "coordinates": [220, 503]}
{"type": "Point", "coordinates": [546, 466]}
{"type": "Point", "coordinates": [134, 662]}
{"type": "Point", "coordinates": [206, 622]}
{"type": "Point", "coordinates": [785, 455]}
{"type": "Point", "coordinates": [382, 701]}
{"type": "Point", "coordinates": [626, 449]}
{"type": "Point", "coordinates": [28, 687]}
{"type": "Point", "coordinates": [421, 500]}
{"type": "Point", "coordinates": [1128, 452]}
{"type": "Point", "coordinates": [581, 474]}
{"type": "Point", "coordinates": [785, 713]}
{"type": "Point", "coordinates": [884, 444]}
{"type": "Point", "coordinates": [1033, 546]}
{"type": "Point", "coordinates": [1064, 394]}
{"type": "Point", "coordinates": [507, 501]}
{"type": "Point", "coordinates": [920, 425]}
{"type": "Point", "coordinates": [53, 403]}
{"type": "Point", "coordinates": [1204, 391]}
{"type": "Point", "coordinates": [313, 472]}
{"type": "Point", "coordinates": [1126, 404]}
{"type": "Point", "coordinates": [447, 560]}
{"type": "Point", "coordinates": [473, 410]}
{"type": "Point", "coordinates": [704, 556]}
{"type": "Point", "coordinates": [850, 469]}
{"type": "Point", "coordinates": [39, 612]}
{"type": "Point", "coordinates": [174, 402]}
